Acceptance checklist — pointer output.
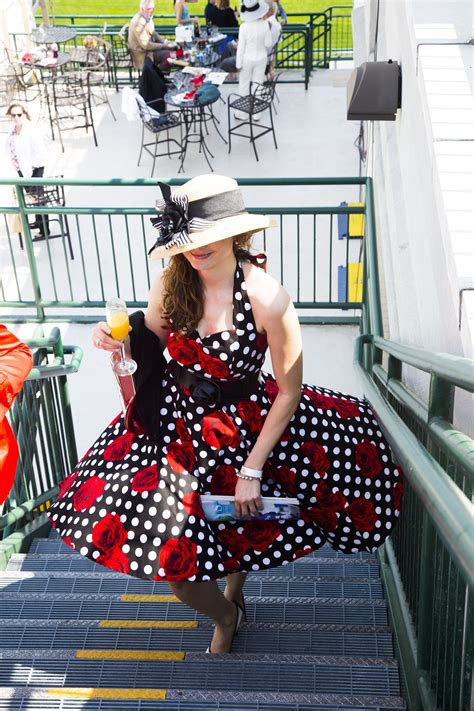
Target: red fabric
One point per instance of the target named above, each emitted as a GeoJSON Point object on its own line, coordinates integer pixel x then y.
{"type": "Point", "coordinates": [16, 361]}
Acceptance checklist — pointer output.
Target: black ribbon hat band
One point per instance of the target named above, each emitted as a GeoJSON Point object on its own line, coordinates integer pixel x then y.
{"type": "Point", "coordinates": [249, 9]}
{"type": "Point", "coordinates": [178, 216]}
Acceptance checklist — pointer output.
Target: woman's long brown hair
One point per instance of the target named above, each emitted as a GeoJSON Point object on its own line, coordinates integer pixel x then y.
{"type": "Point", "coordinates": [183, 300]}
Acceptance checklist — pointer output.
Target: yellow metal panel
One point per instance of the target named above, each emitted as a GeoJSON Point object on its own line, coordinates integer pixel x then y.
{"type": "Point", "coordinates": [84, 693]}
{"type": "Point", "coordinates": [129, 654]}
{"type": "Point", "coordinates": [354, 280]}
{"type": "Point", "coordinates": [151, 624]}
{"type": "Point", "coordinates": [356, 222]}
{"type": "Point", "coordinates": [149, 598]}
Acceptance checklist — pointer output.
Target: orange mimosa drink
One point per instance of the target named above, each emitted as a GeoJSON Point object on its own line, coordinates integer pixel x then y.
{"type": "Point", "coordinates": [119, 325]}
{"type": "Point", "coordinates": [118, 322]}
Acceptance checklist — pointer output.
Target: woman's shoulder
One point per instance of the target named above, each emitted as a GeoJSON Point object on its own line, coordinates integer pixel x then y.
{"type": "Point", "coordinates": [263, 289]}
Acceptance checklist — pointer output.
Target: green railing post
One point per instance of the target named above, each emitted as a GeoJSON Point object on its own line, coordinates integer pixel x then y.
{"type": "Point", "coordinates": [426, 601]}
{"type": "Point", "coordinates": [30, 251]}
{"type": "Point", "coordinates": [327, 31]}
{"type": "Point", "coordinates": [372, 262]}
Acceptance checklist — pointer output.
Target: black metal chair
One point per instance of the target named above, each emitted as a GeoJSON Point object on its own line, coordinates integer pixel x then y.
{"type": "Point", "coordinates": [7, 94]}
{"type": "Point", "coordinates": [49, 196]}
{"type": "Point", "coordinates": [273, 79]}
{"type": "Point", "coordinates": [253, 105]}
{"type": "Point", "coordinates": [159, 126]}
{"type": "Point", "coordinates": [71, 105]}
{"type": "Point", "coordinates": [93, 65]}
{"type": "Point", "coordinates": [121, 59]}
{"type": "Point", "coordinates": [27, 81]}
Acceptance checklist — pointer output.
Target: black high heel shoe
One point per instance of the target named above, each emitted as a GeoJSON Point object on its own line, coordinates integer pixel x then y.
{"type": "Point", "coordinates": [238, 622]}
{"type": "Point", "coordinates": [243, 608]}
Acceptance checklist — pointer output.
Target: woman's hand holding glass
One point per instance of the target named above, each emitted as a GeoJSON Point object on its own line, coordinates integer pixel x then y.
{"type": "Point", "coordinates": [102, 338]}
{"type": "Point", "coordinates": [110, 336]}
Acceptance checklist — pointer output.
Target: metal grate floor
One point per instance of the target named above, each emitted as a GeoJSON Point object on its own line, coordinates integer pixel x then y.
{"type": "Point", "coordinates": [202, 675]}
{"type": "Point", "coordinates": [348, 640]}
{"type": "Point", "coordinates": [317, 639]}
{"type": "Point", "coordinates": [313, 567]}
{"type": "Point", "coordinates": [94, 583]}
{"type": "Point", "coordinates": [43, 704]}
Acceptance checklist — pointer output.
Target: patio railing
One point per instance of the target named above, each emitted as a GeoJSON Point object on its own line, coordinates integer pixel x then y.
{"type": "Point", "coordinates": [41, 419]}
{"type": "Point", "coordinates": [307, 250]}
{"type": "Point", "coordinates": [329, 34]}
{"type": "Point", "coordinates": [428, 563]}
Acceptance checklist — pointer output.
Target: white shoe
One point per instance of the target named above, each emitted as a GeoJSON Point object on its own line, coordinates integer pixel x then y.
{"type": "Point", "coordinates": [257, 117]}
{"type": "Point", "coordinates": [240, 117]}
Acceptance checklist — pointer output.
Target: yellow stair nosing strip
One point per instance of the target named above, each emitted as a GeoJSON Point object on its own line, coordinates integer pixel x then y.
{"type": "Point", "coordinates": [149, 624]}
{"type": "Point", "coordinates": [104, 693]}
{"type": "Point", "coordinates": [149, 598]}
{"type": "Point", "coordinates": [135, 654]}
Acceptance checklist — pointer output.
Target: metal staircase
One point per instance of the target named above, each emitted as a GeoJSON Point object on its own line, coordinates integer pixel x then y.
{"type": "Point", "coordinates": [74, 635]}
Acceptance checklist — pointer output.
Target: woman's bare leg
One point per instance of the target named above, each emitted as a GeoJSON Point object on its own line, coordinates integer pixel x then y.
{"type": "Point", "coordinates": [234, 588]}
{"type": "Point", "coordinates": [234, 585]}
{"type": "Point", "coordinates": [209, 600]}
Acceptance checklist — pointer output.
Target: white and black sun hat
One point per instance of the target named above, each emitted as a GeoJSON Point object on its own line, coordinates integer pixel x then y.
{"type": "Point", "coordinates": [204, 210]}
{"type": "Point", "coordinates": [253, 10]}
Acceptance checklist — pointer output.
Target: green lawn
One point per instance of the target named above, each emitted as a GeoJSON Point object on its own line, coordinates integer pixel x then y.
{"type": "Point", "coordinates": [165, 7]}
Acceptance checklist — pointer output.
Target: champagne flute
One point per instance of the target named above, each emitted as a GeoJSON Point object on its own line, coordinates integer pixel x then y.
{"type": "Point", "coordinates": [119, 324]}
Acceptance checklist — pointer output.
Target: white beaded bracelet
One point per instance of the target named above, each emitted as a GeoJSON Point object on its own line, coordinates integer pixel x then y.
{"type": "Point", "coordinates": [249, 474]}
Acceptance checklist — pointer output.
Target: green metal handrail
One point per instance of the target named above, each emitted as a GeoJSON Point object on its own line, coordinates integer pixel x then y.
{"type": "Point", "coordinates": [448, 507]}
{"type": "Point", "coordinates": [42, 422]}
{"type": "Point", "coordinates": [330, 31]}
{"type": "Point", "coordinates": [428, 564]}
{"type": "Point", "coordinates": [112, 230]}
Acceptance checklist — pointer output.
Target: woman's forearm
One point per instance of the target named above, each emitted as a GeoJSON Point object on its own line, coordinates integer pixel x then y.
{"type": "Point", "coordinates": [276, 422]}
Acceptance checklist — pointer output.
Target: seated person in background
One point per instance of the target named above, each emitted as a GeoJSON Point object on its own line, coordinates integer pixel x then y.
{"type": "Point", "coordinates": [183, 16]}
{"type": "Point", "coordinates": [210, 12]}
{"type": "Point", "coordinates": [225, 16]}
{"type": "Point", "coordinates": [143, 41]}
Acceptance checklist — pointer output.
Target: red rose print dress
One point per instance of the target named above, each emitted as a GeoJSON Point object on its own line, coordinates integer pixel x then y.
{"type": "Point", "coordinates": [134, 506]}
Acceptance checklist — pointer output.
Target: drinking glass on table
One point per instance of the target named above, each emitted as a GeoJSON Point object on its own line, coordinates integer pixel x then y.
{"type": "Point", "coordinates": [178, 80]}
{"type": "Point", "coordinates": [119, 324]}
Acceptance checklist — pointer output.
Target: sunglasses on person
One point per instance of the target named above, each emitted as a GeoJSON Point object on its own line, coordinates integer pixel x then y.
{"type": "Point", "coordinates": [16, 115]}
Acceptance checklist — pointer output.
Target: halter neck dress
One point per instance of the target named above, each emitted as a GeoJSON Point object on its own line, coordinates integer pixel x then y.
{"type": "Point", "coordinates": [134, 506]}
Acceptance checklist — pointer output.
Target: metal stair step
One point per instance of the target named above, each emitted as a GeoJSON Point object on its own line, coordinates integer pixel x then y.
{"type": "Point", "coordinates": [306, 567]}
{"type": "Point", "coordinates": [266, 609]}
{"type": "Point", "coordinates": [38, 699]}
{"type": "Point", "coordinates": [48, 545]}
{"type": "Point", "coordinates": [58, 582]}
{"type": "Point", "coordinates": [334, 639]}
{"type": "Point", "coordinates": [203, 672]}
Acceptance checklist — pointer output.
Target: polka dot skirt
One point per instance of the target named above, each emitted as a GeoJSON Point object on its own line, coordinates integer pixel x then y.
{"type": "Point", "coordinates": [134, 507]}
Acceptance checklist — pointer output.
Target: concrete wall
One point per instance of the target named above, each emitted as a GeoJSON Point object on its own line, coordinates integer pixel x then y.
{"type": "Point", "coordinates": [424, 175]}
{"type": "Point", "coordinates": [420, 166]}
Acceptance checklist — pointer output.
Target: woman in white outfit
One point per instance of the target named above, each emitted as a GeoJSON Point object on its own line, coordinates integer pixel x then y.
{"type": "Point", "coordinates": [27, 152]}
{"type": "Point", "coordinates": [255, 40]}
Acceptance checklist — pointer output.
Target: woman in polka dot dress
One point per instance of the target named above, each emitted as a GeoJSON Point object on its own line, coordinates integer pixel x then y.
{"type": "Point", "coordinates": [225, 427]}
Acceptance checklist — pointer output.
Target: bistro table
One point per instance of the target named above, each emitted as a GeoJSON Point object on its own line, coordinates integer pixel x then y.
{"type": "Point", "coordinates": [49, 64]}
{"type": "Point", "coordinates": [53, 33]}
{"type": "Point", "coordinates": [201, 59]}
{"type": "Point", "coordinates": [195, 118]}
